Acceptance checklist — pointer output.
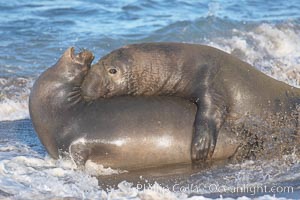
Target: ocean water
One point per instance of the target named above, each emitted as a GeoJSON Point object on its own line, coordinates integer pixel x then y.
{"type": "Point", "coordinates": [35, 33]}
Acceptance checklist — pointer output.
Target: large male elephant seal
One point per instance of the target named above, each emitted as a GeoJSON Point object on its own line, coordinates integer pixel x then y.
{"type": "Point", "coordinates": [122, 132]}
{"type": "Point", "coordinates": [223, 87]}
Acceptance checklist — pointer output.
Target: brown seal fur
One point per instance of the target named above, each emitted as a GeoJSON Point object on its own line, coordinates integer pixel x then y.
{"type": "Point", "coordinates": [122, 132]}
{"type": "Point", "coordinates": [223, 87]}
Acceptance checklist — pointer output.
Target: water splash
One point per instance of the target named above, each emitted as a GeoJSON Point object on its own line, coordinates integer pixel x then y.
{"type": "Point", "coordinates": [273, 49]}
{"type": "Point", "coordinates": [14, 93]}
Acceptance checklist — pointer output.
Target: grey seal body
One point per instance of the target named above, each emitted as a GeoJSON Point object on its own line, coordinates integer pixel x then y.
{"type": "Point", "coordinates": [122, 132]}
{"type": "Point", "coordinates": [224, 88]}
{"type": "Point", "coordinates": [54, 95]}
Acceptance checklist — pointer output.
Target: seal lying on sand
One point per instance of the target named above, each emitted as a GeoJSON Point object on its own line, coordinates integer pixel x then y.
{"type": "Point", "coordinates": [122, 132]}
{"type": "Point", "coordinates": [223, 87]}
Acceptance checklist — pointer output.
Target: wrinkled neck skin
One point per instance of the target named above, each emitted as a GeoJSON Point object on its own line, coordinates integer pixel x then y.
{"type": "Point", "coordinates": [158, 73]}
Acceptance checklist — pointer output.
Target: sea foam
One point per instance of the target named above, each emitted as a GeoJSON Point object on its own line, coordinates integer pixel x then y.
{"type": "Point", "coordinates": [273, 49]}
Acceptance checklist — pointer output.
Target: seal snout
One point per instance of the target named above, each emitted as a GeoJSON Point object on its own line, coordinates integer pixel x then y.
{"type": "Point", "coordinates": [90, 87]}
{"type": "Point", "coordinates": [84, 57]}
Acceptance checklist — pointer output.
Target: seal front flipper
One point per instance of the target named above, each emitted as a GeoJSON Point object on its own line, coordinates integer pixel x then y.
{"type": "Point", "coordinates": [204, 139]}
{"type": "Point", "coordinates": [210, 116]}
{"type": "Point", "coordinates": [79, 152]}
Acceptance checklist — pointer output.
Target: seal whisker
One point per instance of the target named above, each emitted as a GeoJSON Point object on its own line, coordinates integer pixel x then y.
{"type": "Point", "coordinates": [77, 87]}
{"type": "Point", "coordinates": [75, 96]}
{"type": "Point", "coordinates": [79, 99]}
{"type": "Point", "coordinates": [73, 93]}
{"type": "Point", "coordinates": [214, 80]}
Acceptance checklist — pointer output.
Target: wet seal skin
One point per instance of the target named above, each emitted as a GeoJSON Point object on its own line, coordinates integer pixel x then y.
{"type": "Point", "coordinates": [122, 132]}
{"type": "Point", "coordinates": [224, 88]}
{"type": "Point", "coordinates": [54, 95]}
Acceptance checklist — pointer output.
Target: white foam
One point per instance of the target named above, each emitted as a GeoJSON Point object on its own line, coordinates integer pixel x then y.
{"type": "Point", "coordinates": [14, 92]}
{"type": "Point", "coordinates": [12, 110]}
{"type": "Point", "coordinates": [25, 174]}
{"type": "Point", "coordinates": [28, 177]}
{"type": "Point", "coordinates": [98, 169]}
{"type": "Point", "coordinates": [272, 49]}
{"type": "Point", "coordinates": [157, 192]}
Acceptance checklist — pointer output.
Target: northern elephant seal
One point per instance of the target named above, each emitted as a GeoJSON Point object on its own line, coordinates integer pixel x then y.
{"type": "Point", "coordinates": [123, 132]}
{"type": "Point", "coordinates": [54, 95]}
{"type": "Point", "coordinates": [223, 87]}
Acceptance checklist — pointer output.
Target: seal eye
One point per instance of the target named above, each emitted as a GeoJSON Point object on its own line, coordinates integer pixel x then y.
{"type": "Point", "coordinates": [112, 71]}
